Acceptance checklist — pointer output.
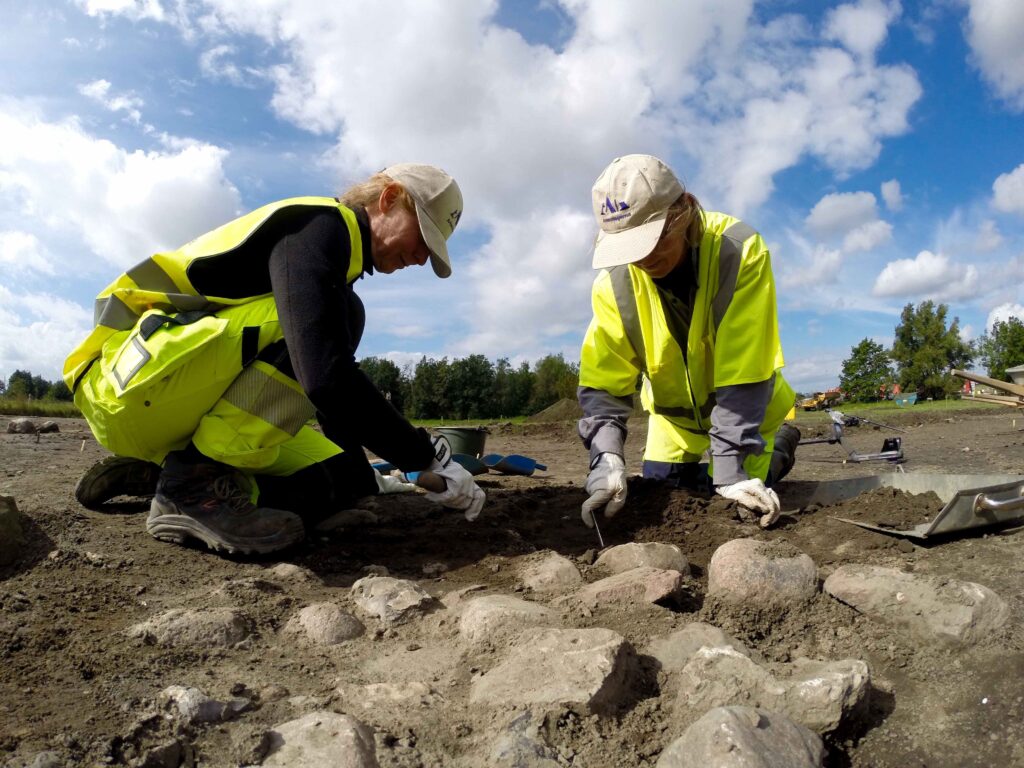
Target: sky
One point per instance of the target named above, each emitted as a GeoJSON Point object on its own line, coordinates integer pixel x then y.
{"type": "Point", "coordinates": [877, 146]}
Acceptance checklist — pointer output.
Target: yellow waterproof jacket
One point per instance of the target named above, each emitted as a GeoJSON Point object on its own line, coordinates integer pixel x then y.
{"type": "Point", "coordinates": [733, 331]}
{"type": "Point", "coordinates": [214, 271]}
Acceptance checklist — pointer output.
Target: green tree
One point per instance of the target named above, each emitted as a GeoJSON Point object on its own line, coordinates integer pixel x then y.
{"type": "Point", "coordinates": [925, 350]}
{"type": "Point", "coordinates": [427, 389]}
{"type": "Point", "coordinates": [21, 385]}
{"type": "Point", "coordinates": [512, 387]}
{"type": "Point", "coordinates": [555, 379]}
{"type": "Point", "coordinates": [1002, 348]}
{"type": "Point", "coordinates": [387, 377]}
{"type": "Point", "coordinates": [468, 388]}
{"type": "Point", "coordinates": [59, 391]}
{"type": "Point", "coordinates": [865, 372]}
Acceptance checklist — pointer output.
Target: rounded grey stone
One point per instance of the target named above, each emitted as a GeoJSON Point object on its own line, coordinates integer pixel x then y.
{"type": "Point", "coordinates": [761, 573]}
{"type": "Point", "coordinates": [324, 624]}
{"type": "Point", "coordinates": [667, 557]}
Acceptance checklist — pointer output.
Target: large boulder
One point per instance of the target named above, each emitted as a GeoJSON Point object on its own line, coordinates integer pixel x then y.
{"type": "Point", "coordinates": [930, 608]}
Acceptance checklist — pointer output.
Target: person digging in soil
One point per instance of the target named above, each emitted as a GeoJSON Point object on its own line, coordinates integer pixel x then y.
{"type": "Point", "coordinates": [207, 365]}
{"type": "Point", "coordinates": [685, 304]}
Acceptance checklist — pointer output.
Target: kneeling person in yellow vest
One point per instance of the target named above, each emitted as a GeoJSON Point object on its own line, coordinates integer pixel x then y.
{"type": "Point", "coordinates": [208, 364]}
{"type": "Point", "coordinates": [684, 309]}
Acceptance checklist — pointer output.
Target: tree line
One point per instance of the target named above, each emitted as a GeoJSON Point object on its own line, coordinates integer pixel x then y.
{"type": "Point", "coordinates": [22, 385]}
{"type": "Point", "coordinates": [925, 350]}
{"type": "Point", "coordinates": [473, 387]}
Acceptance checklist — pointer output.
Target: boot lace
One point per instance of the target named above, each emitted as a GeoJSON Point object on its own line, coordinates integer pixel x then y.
{"type": "Point", "coordinates": [230, 493]}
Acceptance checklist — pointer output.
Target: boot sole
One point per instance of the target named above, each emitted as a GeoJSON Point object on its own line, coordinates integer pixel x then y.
{"type": "Point", "coordinates": [124, 477]}
{"type": "Point", "coordinates": [177, 528]}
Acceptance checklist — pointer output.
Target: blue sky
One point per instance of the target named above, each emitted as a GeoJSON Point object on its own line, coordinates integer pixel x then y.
{"type": "Point", "coordinates": [877, 146]}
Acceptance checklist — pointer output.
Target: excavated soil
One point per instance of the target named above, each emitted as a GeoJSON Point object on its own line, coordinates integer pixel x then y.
{"type": "Point", "coordinates": [75, 684]}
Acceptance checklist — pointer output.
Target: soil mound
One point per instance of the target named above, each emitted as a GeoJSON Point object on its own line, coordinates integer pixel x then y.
{"type": "Point", "coordinates": [564, 410]}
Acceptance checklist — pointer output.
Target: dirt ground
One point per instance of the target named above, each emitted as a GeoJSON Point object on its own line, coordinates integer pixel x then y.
{"type": "Point", "coordinates": [75, 684]}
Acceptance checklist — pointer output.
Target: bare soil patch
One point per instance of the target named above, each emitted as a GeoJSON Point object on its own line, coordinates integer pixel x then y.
{"type": "Point", "coordinates": [76, 684]}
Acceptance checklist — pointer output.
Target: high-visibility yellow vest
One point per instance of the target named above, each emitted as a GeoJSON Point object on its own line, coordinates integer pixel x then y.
{"type": "Point", "coordinates": [161, 287]}
{"type": "Point", "coordinates": [733, 332]}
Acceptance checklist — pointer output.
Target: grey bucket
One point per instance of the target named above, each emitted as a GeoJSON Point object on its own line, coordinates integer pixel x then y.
{"type": "Point", "coordinates": [468, 440]}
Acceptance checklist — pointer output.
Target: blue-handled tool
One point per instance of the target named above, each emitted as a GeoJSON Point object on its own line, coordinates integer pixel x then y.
{"type": "Point", "coordinates": [513, 464]}
{"type": "Point", "coordinates": [472, 464]}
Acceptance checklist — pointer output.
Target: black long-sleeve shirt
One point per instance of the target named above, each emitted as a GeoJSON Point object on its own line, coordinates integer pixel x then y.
{"type": "Point", "coordinates": [323, 320]}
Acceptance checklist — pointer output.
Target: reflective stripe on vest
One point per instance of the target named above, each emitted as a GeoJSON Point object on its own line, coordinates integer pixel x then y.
{"type": "Point", "coordinates": [111, 312]}
{"type": "Point", "coordinates": [730, 254]}
{"type": "Point", "coordinates": [258, 393]}
{"type": "Point", "coordinates": [729, 258]}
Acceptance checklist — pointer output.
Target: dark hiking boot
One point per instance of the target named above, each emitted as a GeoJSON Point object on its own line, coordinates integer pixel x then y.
{"type": "Point", "coordinates": [211, 502]}
{"type": "Point", "coordinates": [116, 476]}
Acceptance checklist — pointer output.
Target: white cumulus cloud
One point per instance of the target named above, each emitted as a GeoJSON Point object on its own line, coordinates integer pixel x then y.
{"type": "Point", "coordinates": [1008, 191]}
{"type": "Point", "coordinates": [123, 205]}
{"type": "Point", "coordinates": [838, 214]}
{"type": "Point", "coordinates": [851, 217]}
{"type": "Point", "coordinates": [995, 32]}
{"type": "Point", "coordinates": [867, 236]}
{"type": "Point", "coordinates": [927, 276]}
{"type": "Point", "coordinates": [863, 26]}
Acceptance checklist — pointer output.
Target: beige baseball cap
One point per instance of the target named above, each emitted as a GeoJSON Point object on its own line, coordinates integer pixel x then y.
{"type": "Point", "coordinates": [631, 199]}
{"type": "Point", "coordinates": [438, 202]}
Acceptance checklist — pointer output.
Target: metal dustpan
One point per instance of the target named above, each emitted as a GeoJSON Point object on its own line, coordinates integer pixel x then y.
{"type": "Point", "coordinates": [970, 501]}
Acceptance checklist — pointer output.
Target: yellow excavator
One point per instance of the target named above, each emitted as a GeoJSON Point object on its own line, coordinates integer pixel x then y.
{"type": "Point", "coordinates": [819, 401]}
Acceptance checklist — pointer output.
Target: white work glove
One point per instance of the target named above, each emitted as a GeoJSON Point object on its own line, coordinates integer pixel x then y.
{"type": "Point", "coordinates": [606, 485]}
{"type": "Point", "coordinates": [753, 495]}
{"type": "Point", "coordinates": [391, 484]}
{"type": "Point", "coordinates": [461, 492]}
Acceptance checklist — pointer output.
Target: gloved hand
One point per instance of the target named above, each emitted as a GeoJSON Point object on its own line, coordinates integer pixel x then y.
{"type": "Point", "coordinates": [461, 492]}
{"type": "Point", "coordinates": [390, 484]}
{"type": "Point", "coordinates": [753, 495]}
{"type": "Point", "coordinates": [606, 485]}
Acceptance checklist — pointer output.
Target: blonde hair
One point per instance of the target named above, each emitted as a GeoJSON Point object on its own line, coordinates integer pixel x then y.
{"type": "Point", "coordinates": [685, 216]}
{"type": "Point", "coordinates": [367, 193]}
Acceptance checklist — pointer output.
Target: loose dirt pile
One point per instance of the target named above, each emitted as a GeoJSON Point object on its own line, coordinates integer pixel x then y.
{"type": "Point", "coordinates": [563, 410]}
{"type": "Point", "coordinates": [79, 689]}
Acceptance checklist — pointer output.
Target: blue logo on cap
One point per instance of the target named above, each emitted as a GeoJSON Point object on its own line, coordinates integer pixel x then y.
{"type": "Point", "coordinates": [612, 206]}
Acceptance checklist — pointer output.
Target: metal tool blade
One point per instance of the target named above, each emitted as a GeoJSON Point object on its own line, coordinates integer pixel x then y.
{"type": "Point", "coordinates": [600, 539]}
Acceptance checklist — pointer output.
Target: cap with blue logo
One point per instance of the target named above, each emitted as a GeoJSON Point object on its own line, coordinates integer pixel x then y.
{"type": "Point", "coordinates": [631, 199]}
{"type": "Point", "coordinates": [438, 202]}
